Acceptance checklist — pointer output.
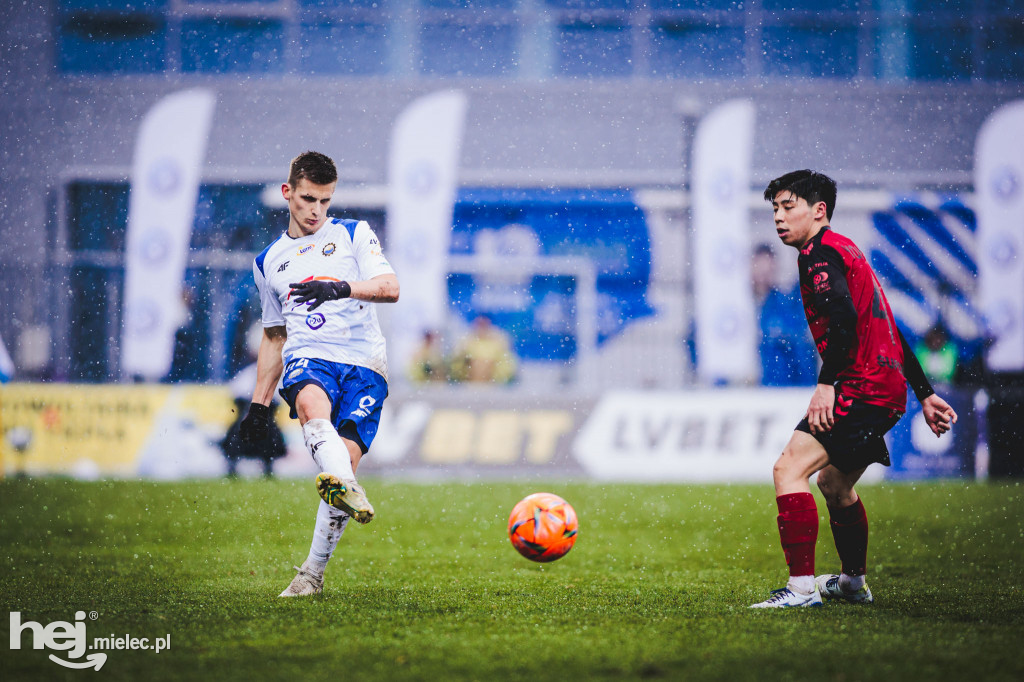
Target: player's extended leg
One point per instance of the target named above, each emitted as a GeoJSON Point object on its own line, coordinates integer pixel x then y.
{"type": "Point", "coordinates": [849, 523]}
{"type": "Point", "coordinates": [330, 524]}
{"type": "Point", "coordinates": [797, 519]}
{"type": "Point", "coordinates": [337, 457]}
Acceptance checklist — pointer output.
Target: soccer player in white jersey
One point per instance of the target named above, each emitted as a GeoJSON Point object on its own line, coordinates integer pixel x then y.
{"type": "Point", "coordinates": [318, 283]}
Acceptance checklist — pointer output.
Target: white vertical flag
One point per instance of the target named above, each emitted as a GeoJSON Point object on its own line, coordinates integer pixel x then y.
{"type": "Point", "coordinates": [6, 364]}
{"type": "Point", "coordinates": [999, 189]}
{"type": "Point", "coordinates": [169, 152]}
{"type": "Point", "coordinates": [725, 317]}
{"type": "Point", "coordinates": [422, 182]}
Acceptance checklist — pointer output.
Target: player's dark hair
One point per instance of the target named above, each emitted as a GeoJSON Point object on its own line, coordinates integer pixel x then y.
{"type": "Point", "coordinates": [808, 185]}
{"type": "Point", "coordinates": [313, 166]}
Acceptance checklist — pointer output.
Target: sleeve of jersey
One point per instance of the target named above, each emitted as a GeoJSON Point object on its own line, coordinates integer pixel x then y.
{"type": "Point", "coordinates": [914, 372]}
{"type": "Point", "coordinates": [273, 316]}
{"type": "Point", "coordinates": [831, 296]}
{"type": "Point", "coordinates": [369, 255]}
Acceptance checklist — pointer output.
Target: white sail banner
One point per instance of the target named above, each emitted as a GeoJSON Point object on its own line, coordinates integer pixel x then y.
{"type": "Point", "coordinates": [422, 182]}
{"type": "Point", "coordinates": [725, 318]}
{"type": "Point", "coordinates": [999, 191]}
{"type": "Point", "coordinates": [169, 153]}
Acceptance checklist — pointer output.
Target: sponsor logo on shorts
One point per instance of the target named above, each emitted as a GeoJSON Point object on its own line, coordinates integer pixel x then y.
{"type": "Point", "coordinates": [329, 249]}
{"type": "Point", "coordinates": [365, 403]}
{"type": "Point", "coordinates": [315, 321]}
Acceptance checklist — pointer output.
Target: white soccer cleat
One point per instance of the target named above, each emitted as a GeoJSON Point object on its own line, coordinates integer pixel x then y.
{"type": "Point", "coordinates": [304, 583]}
{"type": "Point", "coordinates": [347, 496]}
{"type": "Point", "coordinates": [786, 597]}
{"type": "Point", "coordinates": [830, 589]}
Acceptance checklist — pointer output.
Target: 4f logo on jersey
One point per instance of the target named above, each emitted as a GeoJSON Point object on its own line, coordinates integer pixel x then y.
{"type": "Point", "coordinates": [329, 249]}
{"type": "Point", "coordinates": [283, 266]}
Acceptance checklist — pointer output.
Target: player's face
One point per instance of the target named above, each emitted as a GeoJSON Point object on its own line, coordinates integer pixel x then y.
{"type": "Point", "coordinates": [307, 204]}
{"type": "Point", "coordinates": [796, 221]}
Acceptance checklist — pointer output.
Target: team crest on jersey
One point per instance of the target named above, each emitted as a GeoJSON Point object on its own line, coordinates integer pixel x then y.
{"type": "Point", "coordinates": [305, 249]}
{"type": "Point", "coordinates": [283, 266]}
{"type": "Point", "coordinates": [315, 321]}
{"type": "Point", "coordinates": [821, 282]}
{"type": "Point", "coordinates": [329, 249]}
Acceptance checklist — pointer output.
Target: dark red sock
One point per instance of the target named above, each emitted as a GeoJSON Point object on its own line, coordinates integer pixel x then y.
{"type": "Point", "coordinates": [798, 528]}
{"type": "Point", "coordinates": [850, 531]}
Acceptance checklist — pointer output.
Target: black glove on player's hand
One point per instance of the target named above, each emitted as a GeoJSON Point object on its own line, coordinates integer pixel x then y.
{"type": "Point", "coordinates": [316, 291]}
{"type": "Point", "coordinates": [255, 427]}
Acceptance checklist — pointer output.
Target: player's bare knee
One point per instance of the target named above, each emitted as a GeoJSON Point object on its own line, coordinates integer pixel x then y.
{"type": "Point", "coordinates": [311, 402]}
{"type": "Point", "coordinates": [833, 489]}
{"type": "Point", "coordinates": [825, 485]}
{"type": "Point", "coordinates": [780, 467]}
{"type": "Point", "coordinates": [784, 470]}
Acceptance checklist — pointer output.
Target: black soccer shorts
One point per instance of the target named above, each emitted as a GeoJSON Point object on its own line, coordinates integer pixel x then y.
{"type": "Point", "coordinates": [857, 435]}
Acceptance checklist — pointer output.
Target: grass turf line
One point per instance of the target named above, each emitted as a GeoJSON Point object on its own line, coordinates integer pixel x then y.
{"type": "Point", "coordinates": [657, 586]}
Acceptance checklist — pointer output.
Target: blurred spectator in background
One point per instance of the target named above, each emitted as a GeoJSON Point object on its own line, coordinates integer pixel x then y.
{"type": "Point", "coordinates": [939, 355]}
{"type": "Point", "coordinates": [787, 353]}
{"type": "Point", "coordinates": [484, 355]}
{"type": "Point", "coordinates": [188, 363]}
{"type": "Point", "coordinates": [427, 364]}
{"type": "Point", "coordinates": [241, 386]}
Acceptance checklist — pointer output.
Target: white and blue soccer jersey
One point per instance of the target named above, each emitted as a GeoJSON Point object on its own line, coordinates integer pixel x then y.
{"type": "Point", "coordinates": [344, 330]}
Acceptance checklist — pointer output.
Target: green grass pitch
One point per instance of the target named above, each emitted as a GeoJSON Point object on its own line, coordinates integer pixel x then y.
{"type": "Point", "coordinates": [657, 586]}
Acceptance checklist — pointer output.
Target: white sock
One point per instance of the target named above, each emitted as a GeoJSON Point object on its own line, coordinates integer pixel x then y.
{"type": "Point", "coordinates": [327, 448]}
{"type": "Point", "coordinates": [330, 524]}
{"type": "Point", "coordinates": [850, 583]}
{"type": "Point", "coordinates": [804, 584]}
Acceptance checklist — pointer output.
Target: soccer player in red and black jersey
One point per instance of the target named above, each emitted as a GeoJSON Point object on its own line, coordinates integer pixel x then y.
{"type": "Point", "coordinates": [860, 395]}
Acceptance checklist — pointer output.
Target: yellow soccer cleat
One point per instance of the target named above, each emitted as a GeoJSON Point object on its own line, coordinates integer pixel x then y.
{"type": "Point", "coordinates": [347, 496]}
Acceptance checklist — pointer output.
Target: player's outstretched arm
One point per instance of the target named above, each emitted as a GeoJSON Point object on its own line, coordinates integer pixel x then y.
{"type": "Point", "coordinates": [939, 415]}
{"type": "Point", "coordinates": [380, 289]}
{"type": "Point", "coordinates": [315, 292]}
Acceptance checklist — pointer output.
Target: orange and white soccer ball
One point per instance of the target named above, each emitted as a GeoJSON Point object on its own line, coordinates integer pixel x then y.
{"type": "Point", "coordinates": [542, 527]}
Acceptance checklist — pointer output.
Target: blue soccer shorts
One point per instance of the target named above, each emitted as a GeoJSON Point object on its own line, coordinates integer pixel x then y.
{"type": "Point", "coordinates": [357, 395]}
